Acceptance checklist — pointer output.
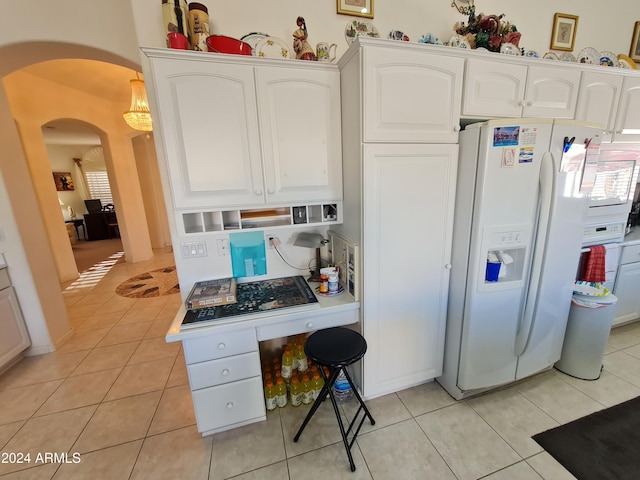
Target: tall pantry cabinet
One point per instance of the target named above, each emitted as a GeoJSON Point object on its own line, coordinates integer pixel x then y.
{"type": "Point", "coordinates": [400, 123]}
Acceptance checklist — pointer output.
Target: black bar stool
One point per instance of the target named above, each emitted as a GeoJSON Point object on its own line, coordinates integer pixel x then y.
{"type": "Point", "coordinates": [336, 348]}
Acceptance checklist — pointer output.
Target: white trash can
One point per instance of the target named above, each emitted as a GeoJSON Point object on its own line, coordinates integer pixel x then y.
{"type": "Point", "coordinates": [588, 328]}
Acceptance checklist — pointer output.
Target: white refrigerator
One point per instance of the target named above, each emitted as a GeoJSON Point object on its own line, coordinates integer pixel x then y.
{"type": "Point", "coordinates": [518, 229]}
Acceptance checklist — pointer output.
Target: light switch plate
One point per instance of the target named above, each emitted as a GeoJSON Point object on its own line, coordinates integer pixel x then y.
{"type": "Point", "coordinates": [193, 249]}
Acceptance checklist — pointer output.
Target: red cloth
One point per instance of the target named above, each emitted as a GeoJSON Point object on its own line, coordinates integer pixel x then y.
{"type": "Point", "coordinates": [593, 266]}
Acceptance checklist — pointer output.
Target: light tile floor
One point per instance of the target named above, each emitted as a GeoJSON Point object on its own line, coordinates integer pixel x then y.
{"type": "Point", "coordinates": [118, 395]}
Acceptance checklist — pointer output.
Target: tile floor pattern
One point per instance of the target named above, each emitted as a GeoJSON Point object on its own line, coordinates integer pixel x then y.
{"type": "Point", "coordinates": [118, 395]}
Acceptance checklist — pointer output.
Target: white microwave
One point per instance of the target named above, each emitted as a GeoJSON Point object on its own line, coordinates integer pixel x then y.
{"type": "Point", "coordinates": [616, 175]}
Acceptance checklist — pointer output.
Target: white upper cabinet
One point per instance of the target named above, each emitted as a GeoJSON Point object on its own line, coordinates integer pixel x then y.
{"type": "Point", "coordinates": [496, 89]}
{"type": "Point", "coordinates": [627, 126]}
{"type": "Point", "coordinates": [245, 132]}
{"type": "Point", "coordinates": [411, 96]}
{"type": "Point", "coordinates": [300, 132]}
{"type": "Point", "coordinates": [598, 100]}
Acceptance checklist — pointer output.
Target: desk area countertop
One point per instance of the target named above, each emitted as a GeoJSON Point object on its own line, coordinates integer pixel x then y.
{"type": "Point", "coordinates": [632, 238]}
{"type": "Point", "coordinates": [288, 319]}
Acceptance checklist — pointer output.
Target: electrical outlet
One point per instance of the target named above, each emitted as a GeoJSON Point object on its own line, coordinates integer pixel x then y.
{"type": "Point", "coordinates": [271, 240]}
{"type": "Point", "coordinates": [223, 247]}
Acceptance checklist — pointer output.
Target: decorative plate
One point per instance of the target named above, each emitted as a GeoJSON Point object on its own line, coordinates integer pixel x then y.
{"type": "Point", "coordinates": [359, 28]}
{"type": "Point", "coordinates": [253, 39]}
{"type": "Point", "coordinates": [272, 47]}
{"type": "Point", "coordinates": [531, 54]}
{"type": "Point", "coordinates": [510, 49]}
{"type": "Point", "coordinates": [590, 289]}
{"type": "Point", "coordinates": [458, 41]}
{"type": "Point", "coordinates": [568, 57]}
{"type": "Point", "coordinates": [481, 49]}
{"type": "Point", "coordinates": [330, 294]}
{"type": "Point", "coordinates": [608, 59]}
{"type": "Point", "coordinates": [626, 62]}
{"type": "Point", "coordinates": [589, 55]}
{"type": "Point", "coordinates": [550, 56]}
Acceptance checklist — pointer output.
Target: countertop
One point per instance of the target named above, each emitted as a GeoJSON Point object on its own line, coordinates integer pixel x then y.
{"type": "Point", "coordinates": [328, 305]}
{"type": "Point", "coordinates": [632, 238]}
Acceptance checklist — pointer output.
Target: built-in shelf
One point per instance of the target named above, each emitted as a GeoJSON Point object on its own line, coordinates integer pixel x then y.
{"type": "Point", "coordinates": [225, 220]}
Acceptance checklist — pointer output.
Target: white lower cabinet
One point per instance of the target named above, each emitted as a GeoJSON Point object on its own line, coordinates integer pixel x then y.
{"type": "Point", "coordinates": [628, 285]}
{"type": "Point", "coordinates": [230, 405]}
{"type": "Point", "coordinates": [14, 338]}
{"type": "Point", "coordinates": [408, 203]}
{"type": "Point", "coordinates": [225, 380]}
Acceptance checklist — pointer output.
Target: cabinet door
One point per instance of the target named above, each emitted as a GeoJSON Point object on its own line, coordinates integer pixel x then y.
{"type": "Point", "coordinates": [493, 89]}
{"type": "Point", "coordinates": [626, 289]}
{"type": "Point", "coordinates": [409, 193]}
{"type": "Point", "coordinates": [207, 114]}
{"type": "Point", "coordinates": [411, 96]}
{"type": "Point", "coordinates": [14, 338]}
{"type": "Point", "coordinates": [551, 92]}
{"type": "Point", "coordinates": [299, 112]}
{"type": "Point", "coordinates": [628, 119]}
{"type": "Point", "coordinates": [598, 100]}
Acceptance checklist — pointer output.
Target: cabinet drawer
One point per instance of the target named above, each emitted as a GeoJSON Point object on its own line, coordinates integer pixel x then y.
{"type": "Point", "coordinates": [211, 347]}
{"type": "Point", "coordinates": [309, 324]}
{"type": "Point", "coordinates": [223, 370]}
{"type": "Point", "coordinates": [225, 405]}
{"type": "Point", "coordinates": [630, 254]}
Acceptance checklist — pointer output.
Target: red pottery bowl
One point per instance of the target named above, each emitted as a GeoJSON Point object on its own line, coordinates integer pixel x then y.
{"type": "Point", "coordinates": [222, 44]}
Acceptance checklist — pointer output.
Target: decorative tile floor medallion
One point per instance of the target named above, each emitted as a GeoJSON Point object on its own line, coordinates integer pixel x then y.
{"type": "Point", "coordinates": [155, 283]}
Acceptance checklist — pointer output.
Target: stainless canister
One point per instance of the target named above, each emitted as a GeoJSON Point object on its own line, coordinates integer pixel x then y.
{"type": "Point", "coordinates": [199, 26]}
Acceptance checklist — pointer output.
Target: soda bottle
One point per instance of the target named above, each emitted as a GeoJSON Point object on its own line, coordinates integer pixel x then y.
{"type": "Point", "coordinates": [307, 393]}
{"type": "Point", "coordinates": [270, 396]}
{"type": "Point", "coordinates": [287, 364]}
{"type": "Point", "coordinates": [281, 393]}
{"type": "Point", "coordinates": [301, 359]}
{"type": "Point", "coordinates": [296, 391]}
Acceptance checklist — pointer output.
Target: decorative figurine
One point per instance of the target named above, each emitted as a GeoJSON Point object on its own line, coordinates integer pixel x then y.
{"type": "Point", "coordinates": [301, 45]}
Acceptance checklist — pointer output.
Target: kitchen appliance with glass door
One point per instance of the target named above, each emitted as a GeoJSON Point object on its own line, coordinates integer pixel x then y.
{"type": "Point", "coordinates": [514, 208]}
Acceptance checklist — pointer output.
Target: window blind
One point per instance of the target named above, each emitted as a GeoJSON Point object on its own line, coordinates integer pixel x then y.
{"type": "Point", "coordinates": [98, 183]}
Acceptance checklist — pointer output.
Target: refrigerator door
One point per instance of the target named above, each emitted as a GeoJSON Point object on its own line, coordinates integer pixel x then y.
{"type": "Point", "coordinates": [505, 212]}
{"type": "Point", "coordinates": [539, 343]}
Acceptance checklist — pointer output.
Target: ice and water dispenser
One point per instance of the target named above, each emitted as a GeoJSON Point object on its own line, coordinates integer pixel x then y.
{"type": "Point", "coordinates": [505, 250]}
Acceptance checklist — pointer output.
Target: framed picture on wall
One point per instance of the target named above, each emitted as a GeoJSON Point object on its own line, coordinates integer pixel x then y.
{"type": "Point", "coordinates": [634, 50]}
{"type": "Point", "coordinates": [357, 8]}
{"type": "Point", "coordinates": [563, 36]}
{"type": "Point", "coordinates": [64, 182]}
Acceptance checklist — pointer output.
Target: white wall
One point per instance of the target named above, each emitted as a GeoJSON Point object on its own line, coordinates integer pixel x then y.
{"type": "Point", "coordinates": [601, 25]}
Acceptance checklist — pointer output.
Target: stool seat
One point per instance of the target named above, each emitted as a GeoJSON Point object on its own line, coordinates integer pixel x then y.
{"type": "Point", "coordinates": [337, 348]}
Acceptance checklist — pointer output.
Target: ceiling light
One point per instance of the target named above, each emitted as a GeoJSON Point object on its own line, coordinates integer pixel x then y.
{"type": "Point", "coordinates": [138, 117]}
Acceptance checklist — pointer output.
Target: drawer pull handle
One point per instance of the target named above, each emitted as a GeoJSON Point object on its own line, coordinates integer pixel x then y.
{"type": "Point", "coordinates": [229, 405]}
{"type": "Point", "coordinates": [221, 346]}
{"type": "Point", "coordinates": [225, 372]}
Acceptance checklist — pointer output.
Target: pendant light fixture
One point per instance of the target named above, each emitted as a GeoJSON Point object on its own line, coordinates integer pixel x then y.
{"type": "Point", "coordinates": [138, 117]}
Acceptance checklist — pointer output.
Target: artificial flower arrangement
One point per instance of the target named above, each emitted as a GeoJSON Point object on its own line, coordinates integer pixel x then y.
{"type": "Point", "coordinates": [487, 31]}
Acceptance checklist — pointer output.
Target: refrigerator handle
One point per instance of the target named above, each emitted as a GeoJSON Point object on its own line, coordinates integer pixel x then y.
{"type": "Point", "coordinates": [547, 183]}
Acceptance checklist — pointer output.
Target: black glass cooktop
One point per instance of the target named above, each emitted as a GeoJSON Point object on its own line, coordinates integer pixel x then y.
{"type": "Point", "coordinates": [258, 297]}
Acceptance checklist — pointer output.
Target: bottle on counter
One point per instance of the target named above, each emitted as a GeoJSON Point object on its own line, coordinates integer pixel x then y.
{"type": "Point", "coordinates": [287, 364]}
{"type": "Point", "coordinates": [333, 283]}
{"type": "Point", "coordinates": [296, 391]}
{"type": "Point", "coordinates": [270, 396]}
{"type": "Point", "coordinates": [281, 393]}
{"type": "Point", "coordinates": [324, 284]}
